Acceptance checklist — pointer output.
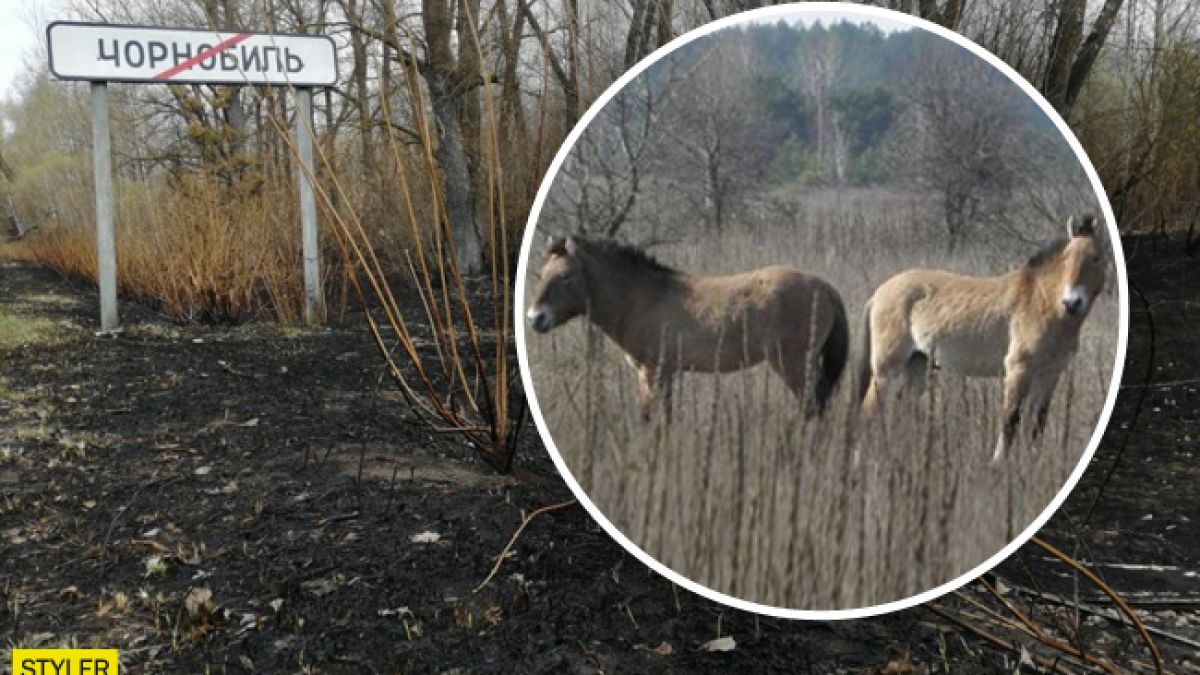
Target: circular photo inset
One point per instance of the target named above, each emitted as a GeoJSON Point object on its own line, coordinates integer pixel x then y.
{"type": "Point", "coordinates": [823, 313]}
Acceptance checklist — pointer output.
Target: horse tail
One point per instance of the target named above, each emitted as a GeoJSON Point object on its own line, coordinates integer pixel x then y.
{"type": "Point", "coordinates": [864, 354]}
{"type": "Point", "coordinates": [834, 352]}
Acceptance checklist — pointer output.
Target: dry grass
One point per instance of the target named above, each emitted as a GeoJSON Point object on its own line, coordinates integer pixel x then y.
{"type": "Point", "coordinates": [744, 495]}
{"type": "Point", "coordinates": [204, 248]}
{"type": "Point", "coordinates": [198, 251]}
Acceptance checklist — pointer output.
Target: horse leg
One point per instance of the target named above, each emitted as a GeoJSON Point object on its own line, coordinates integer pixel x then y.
{"type": "Point", "coordinates": [888, 378]}
{"type": "Point", "coordinates": [916, 373]}
{"type": "Point", "coordinates": [645, 391]}
{"type": "Point", "coordinates": [870, 402]}
{"type": "Point", "coordinates": [887, 349]}
{"type": "Point", "coordinates": [792, 368]}
{"type": "Point", "coordinates": [666, 386]}
{"type": "Point", "coordinates": [1016, 389]}
{"type": "Point", "coordinates": [653, 384]}
{"type": "Point", "coordinates": [1040, 396]}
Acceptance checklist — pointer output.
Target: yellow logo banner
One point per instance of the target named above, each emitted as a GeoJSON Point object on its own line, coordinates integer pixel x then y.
{"type": "Point", "coordinates": [64, 662]}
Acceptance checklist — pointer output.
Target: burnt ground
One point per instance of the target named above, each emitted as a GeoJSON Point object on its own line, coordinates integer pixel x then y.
{"type": "Point", "coordinates": [246, 499]}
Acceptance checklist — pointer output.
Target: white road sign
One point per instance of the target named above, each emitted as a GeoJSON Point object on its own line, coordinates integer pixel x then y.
{"type": "Point", "coordinates": [117, 53]}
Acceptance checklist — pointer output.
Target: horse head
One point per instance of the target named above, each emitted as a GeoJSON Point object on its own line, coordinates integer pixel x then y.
{"type": "Point", "coordinates": [561, 292]}
{"type": "Point", "coordinates": [1083, 266]}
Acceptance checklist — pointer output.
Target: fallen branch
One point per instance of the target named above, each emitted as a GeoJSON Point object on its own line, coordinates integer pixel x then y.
{"type": "Point", "coordinates": [516, 535]}
{"type": "Point", "coordinates": [1099, 583]}
{"type": "Point", "coordinates": [1038, 661]}
{"type": "Point", "coordinates": [1109, 614]}
{"type": "Point", "coordinates": [1036, 633]}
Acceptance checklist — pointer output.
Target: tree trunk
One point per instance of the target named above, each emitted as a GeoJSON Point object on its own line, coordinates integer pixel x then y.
{"type": "Point", "coordinates": [633, 40]}
{"type": "Point", "coordinates": [514, 134]}
{"type": "Point", "coordinates": [512, 113]}
{"type": "Point", "coordinates": [1068, 35]}
{"type": "Point", "coordinates": [715, 194]}
{"type": "Point", "coordinates": [565, 81]}
{"type": "Point", "coordinates": [949, 16]}
{"type": "Point", "coordinates": [666, 16]}
{"type": "Point", "coordinates": [362, 100]}
{"type": "Point", "coordinates": [10, 184]}
{"type": "Point", "coordinates": [1086, 58]}
{"type": "Point", "coordinates": [1071, 56]}
{"type": "Point", "coordinates": [440, 76]}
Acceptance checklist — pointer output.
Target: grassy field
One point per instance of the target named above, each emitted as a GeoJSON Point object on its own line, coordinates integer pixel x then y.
{"type": "Point", "coordinates": [742, 494]}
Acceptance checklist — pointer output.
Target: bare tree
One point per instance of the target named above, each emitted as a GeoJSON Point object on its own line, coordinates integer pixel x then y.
{"type": "Point", "coordinates": [720, 134]}
{"type": "Point", "coordinates": [962, 120]}
{"type": "Point", "coordinates": [604, 178]}
{"type": "Point", "coordinates": [820, 72]}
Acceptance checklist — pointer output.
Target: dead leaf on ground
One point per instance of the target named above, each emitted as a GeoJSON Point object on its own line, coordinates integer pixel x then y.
{"type": "Point", "coordinates": [721, 644]}
{"type": "Point", "coordinates": [226, 489]}
{"type": "Point", "coordinates": [901, 666]}
{"type": "Point", "coordinates": [663, 649]}
{"type": "Point", "coordinates": [117, 602]}
{"type": "Point", "coordinates": [319, 587]}
{"type": "Point", "coordinates": [188, 556]}
{"type": "Point", "coordinates": [198, 601]}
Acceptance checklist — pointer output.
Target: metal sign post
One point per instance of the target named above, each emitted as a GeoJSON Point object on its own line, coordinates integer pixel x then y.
{"type": "Point", "coordinates": [103, 53]}
{"type": "Point", "coordinates": [314, 306]}
{"type": "Point", "coordinates": [106, 246]}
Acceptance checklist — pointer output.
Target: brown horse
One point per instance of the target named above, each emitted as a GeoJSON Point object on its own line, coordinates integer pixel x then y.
{"type": "Point", "coordinates": [668, 321]}
{"type": "Point", "coordinates": [1022, 326]}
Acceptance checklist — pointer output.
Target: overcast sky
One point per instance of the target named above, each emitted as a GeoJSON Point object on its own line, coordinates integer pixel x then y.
{"type": "Point", "coordinates": [18, 38]}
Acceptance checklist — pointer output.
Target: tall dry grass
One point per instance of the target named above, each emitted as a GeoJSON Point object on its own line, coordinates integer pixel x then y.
{"type": "Point", "coordinates": [745, 495]}
{"type": "Point", "coordinates": [199, 248]}
{"type": "Point", "coordinates": [197, 251]}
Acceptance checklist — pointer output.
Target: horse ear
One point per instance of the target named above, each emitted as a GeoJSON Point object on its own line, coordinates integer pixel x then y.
{"type": "Point", "coordinates": [556, 246]}
{"type": "Point", "coordinates": [1082, 226]}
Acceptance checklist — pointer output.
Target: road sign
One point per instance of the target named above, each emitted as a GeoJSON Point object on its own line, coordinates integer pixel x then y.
{"type": "Point", "coordinates": [119, 53]}
{"type": "Point", "coordinates": [103, 53]}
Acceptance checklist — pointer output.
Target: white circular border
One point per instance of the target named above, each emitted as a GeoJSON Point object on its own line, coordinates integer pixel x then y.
{"type": "Point", "coordinates": [822, 8]}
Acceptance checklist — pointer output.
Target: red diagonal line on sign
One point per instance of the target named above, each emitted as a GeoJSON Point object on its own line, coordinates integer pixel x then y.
{"type": "Point", "coordinates": [211, 51]}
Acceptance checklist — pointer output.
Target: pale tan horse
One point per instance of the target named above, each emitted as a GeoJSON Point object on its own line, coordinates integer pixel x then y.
{"type": "Point", "coordinates": [668, 321]}
{"type": "Point", "coordinates": [1022, 326]}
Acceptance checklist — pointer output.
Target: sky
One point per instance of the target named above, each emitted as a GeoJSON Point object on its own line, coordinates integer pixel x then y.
{"type": "Point", "coordinates": [18, 40]}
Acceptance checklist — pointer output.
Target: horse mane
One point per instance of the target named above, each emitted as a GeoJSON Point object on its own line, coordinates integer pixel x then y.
{"type": "Point", "coordinates": [1046, 253]}
{"type": "Point", "coordinates": [627, 254]}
